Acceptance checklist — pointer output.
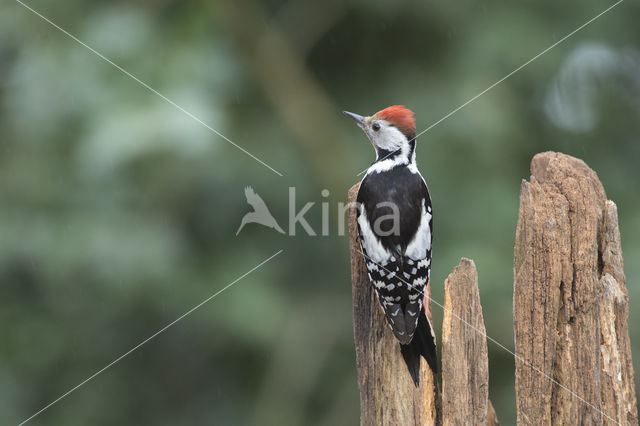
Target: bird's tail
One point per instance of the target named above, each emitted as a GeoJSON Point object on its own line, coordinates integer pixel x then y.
{"type": "Point", "coordinates": [423, 344]}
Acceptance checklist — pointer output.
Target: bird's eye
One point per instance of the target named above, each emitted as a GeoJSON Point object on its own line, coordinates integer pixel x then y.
{"type": "Point", "coordinates": [375, 127]}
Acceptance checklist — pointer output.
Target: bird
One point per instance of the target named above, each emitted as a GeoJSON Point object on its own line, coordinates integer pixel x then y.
{"type": "Point", "coordinates": [260, 213]}
{"type": "Point", "coordinates": [395, 229]}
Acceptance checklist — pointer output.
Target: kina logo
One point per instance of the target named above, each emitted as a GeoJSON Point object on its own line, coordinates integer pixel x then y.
{"type": "Point", "coordinates": [386, 224]}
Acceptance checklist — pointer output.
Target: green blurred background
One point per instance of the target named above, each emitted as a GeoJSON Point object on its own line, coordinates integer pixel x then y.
{"type": "Point", "coordinates": [118, 212]}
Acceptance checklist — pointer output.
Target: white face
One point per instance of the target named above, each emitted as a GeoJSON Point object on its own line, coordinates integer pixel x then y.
{"type": "Point", "coordinates": [384, 135]}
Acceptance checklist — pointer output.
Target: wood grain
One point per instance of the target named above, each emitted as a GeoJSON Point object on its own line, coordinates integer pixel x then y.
{"type": "Point", "coordinates": [465, 366]}
{"type": "Point", "coordinates": [570, 300]}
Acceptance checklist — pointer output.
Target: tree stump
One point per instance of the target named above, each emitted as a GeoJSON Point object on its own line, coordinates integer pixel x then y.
{"type": "Point", "coordinates": [573, 362]}
{"type": "Point", "coordinates": [465, 366]}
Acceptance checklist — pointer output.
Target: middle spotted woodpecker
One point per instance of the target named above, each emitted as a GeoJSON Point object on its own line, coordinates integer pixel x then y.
{"type": "Point", "coordinates": [395, 227]}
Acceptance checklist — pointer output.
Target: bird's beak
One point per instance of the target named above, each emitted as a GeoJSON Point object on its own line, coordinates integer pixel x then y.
{"type": "Point", "coordinates": [357, 118]}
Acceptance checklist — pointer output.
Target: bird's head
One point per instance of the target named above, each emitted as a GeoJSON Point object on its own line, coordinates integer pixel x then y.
{"type": "Point", "coordinates": [390, 129]}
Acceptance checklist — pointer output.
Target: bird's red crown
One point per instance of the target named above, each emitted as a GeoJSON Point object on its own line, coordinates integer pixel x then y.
{"type": "Point", "coordinates": [400, 117]}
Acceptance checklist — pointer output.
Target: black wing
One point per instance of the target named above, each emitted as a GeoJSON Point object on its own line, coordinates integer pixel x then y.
{"type": "Point", "coordinates": [399, 279]}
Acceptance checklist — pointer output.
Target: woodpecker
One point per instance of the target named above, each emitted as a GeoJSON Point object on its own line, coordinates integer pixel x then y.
{"type": "Point", "coordinates": [395, 227]}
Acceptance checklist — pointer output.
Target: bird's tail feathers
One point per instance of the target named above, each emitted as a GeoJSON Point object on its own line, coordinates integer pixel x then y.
{"type": "Point", "coordinates": [423, 344]}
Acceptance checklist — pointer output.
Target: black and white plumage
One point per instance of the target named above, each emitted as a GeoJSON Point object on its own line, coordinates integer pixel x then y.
{"type": "Point", "coordinates": [395, 226]}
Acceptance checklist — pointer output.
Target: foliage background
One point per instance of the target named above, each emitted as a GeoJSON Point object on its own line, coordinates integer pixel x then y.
{"type": "Point", "coordinates": [118, 212]}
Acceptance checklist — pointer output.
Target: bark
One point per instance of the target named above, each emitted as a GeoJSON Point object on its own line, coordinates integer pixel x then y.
{"type": "Point", "coordinates": [573, 362]}
{"type": "Point", "coordinates": [387, 393]}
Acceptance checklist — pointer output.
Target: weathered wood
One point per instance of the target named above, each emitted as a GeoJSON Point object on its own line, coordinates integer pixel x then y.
{"type": "Point", "coordinates": [618, 392]}
{"type": "Point", "coordinates": [570, 300]}
{"type": "Point", "coordinates": [387, 393]}
{"type": "Point", "coordinates": [465, 366]}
